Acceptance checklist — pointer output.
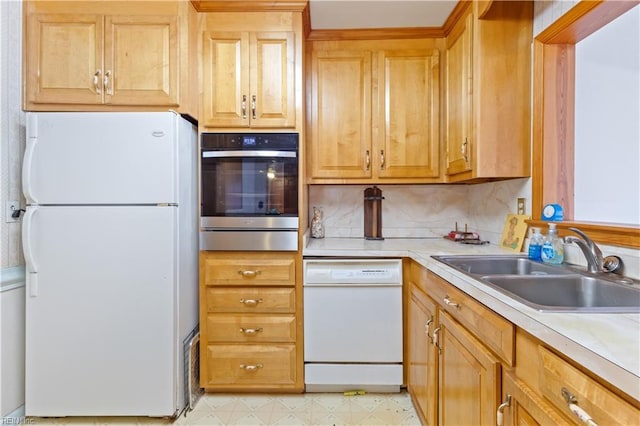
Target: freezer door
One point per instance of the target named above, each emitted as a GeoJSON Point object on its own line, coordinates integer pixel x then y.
{"type": "Point", "coordinates": [100, 311]}
{"type": "Point", "coordinates": [101, 158]}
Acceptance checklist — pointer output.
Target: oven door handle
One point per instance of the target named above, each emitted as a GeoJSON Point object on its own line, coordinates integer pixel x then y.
{"type": "Point", "coordinates": [256, 153]}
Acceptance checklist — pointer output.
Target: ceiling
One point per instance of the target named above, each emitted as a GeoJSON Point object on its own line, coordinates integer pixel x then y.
{"type": "Point", "coordinates": [366, 14]}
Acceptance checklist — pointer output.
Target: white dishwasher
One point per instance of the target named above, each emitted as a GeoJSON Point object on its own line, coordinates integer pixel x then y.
{"type": "Point", "coordinates": [352, 325]}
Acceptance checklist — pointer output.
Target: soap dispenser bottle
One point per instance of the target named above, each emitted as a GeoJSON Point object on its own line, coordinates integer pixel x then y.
{"type": "Point", "coordinates": [552, 248]}
{"type": "Point", "coordinates": [535, 244]}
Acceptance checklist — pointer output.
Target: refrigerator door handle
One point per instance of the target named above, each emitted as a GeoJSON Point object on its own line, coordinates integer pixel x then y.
{"type": "Point", "coordinates": [31, 266]}
{"type": "Point", "coordinates": [26, 169]}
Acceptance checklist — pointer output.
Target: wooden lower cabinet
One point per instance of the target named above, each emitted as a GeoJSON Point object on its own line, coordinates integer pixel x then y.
{"type": "Point", "coordinates": [422, 355]}
{"type": "Point", "coordinates": [251, 365]}
{"type": "Point", "coordinates": [454, 374]}
{"type": "Point", "coordinates": [468, 375]}
{"type": "Point", "coordinates": [467, 365]}
{"type": "Point", "coordinates": [250, 329]}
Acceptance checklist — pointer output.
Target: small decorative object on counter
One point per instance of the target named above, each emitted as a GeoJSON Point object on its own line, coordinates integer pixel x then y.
{"type": "Point", "coordinates": [552, 248]}
{"type": "Point", "coordinates": [553, 212]}
{"type": "Point", "coordinates": [515, 228]}
{"type": "Point", "coordinates": [465, 237]}
{"type": "Point", "coordinates": [535, 244]}
{"type": "Point", "coordinates": [317, 227]}
{"type": "Point", "coordinates": [373, 213]}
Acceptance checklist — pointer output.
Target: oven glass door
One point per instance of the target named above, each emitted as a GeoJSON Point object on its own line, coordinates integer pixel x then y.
{"type": "Point", "coordinates": [243, 183]}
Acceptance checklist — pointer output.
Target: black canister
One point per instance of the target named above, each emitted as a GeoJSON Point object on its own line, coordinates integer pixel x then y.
{"type": "Point", "coordinates": [373, 213]}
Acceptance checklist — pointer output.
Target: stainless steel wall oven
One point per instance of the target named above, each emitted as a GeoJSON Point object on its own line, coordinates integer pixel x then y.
{"type": "Point", "coordinates": [249, 191]}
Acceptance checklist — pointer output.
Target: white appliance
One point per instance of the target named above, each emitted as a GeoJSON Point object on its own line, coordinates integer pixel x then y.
{"type": "Point", "coordinates": [110, 244]}
{"type": "Point", "coordinates": [352, 325]}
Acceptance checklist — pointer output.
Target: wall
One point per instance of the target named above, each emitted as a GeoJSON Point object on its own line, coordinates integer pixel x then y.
{"type": "Point", "coordinates": [11, 261]}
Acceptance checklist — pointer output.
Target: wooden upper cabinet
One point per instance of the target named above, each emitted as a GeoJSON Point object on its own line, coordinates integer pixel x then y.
{"type": "Point", "coordinates": [488, 92]}
{"type": "Point", "coordinates": [64, 58]}
{"type": "Point", "coordinates": [458, 77]}
{"type": "Point", "coordinates": [141, 60]}
{"type": "Point", "coordinates": [374, 112]}
{"type": "Point", "coordinates": [248, 79]}
{"type": "Point", "coordinates": [341, 114]}
{"type": "Point", "coordinates": [102, 55]}
{"type": "Point", "coordinates": [409, 105]}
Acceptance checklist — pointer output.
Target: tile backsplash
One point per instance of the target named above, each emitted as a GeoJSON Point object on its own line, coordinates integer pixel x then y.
{"type": "Point", "coordinates": [420, 211]}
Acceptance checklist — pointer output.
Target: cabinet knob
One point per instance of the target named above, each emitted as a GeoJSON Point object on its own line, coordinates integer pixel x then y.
{"type": "Point", "coordinates": [382, 159]}
{"type": "Point", "coordinates": [250, 331]}
{"type": "Point", "coordinates": [367, 160]}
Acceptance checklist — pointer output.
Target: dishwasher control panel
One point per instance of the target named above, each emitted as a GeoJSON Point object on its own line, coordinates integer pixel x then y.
{"type": "Point", "coordinates": [353, 271]}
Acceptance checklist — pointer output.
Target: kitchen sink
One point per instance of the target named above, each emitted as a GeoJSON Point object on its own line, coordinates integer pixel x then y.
{"type": "Point", "coordinates": [501, 265]}
{"type": "Point", "coordinates": [550, 288]}
{"type": "Point", "coordinates": [574, 293]}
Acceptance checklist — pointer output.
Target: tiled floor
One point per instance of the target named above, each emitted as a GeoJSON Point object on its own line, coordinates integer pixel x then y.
{"type": "Point", "coordinates": [315, 409]}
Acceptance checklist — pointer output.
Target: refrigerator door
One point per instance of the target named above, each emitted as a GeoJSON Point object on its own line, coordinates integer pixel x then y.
{"type": "Point", "coordinates": [100, 310]}
{"type": "Point", "coordinates": [100, 158]}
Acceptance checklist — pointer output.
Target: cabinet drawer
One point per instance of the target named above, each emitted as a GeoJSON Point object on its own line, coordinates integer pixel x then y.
{"type": "Point", "coordinates": [254, 328]}
{"type": "Point", "coordinates": [257, 300]}
{"type": "Point", "coordinates": [495, 332]}
{"type": "Point", "coordinates": [246, 365]}
{"type": "Point", "coordinates": [600, 403]}
{"type": "Point", "coordinates": [418, 275]}
{"type": "Point", "coordinates": [247, 269]}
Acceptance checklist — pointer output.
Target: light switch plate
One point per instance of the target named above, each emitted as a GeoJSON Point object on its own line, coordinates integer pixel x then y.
{"type": "Point", "coordinates": [521, 205]}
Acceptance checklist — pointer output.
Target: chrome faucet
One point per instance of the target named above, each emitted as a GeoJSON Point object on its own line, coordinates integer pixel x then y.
{"type": "Point", "coordinates": [595, 260]}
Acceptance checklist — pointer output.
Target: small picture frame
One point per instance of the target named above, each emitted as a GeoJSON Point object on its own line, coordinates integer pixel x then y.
{"type": "Point", "coordinates": [515, 229]}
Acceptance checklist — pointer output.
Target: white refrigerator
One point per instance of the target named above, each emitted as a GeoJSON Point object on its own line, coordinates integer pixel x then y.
{"type": "Point", "coordinates": [111, 253]}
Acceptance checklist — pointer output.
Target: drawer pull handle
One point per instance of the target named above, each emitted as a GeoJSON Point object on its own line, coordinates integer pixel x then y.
{"type": "Point", "coordinates": [501, 407]}
{"type": "Point", "coordinates": [448, 302]}
{"type": "Point", "coordinates": [249, 273]}
{"type": "Point", "coordinates": [572, 403]}
{"type": "Point", "coordinates": [250, 331]}
{"type": "Point", "coordinates": [251, 367]}
{"type": "Point", "coordinates": [250, 302]}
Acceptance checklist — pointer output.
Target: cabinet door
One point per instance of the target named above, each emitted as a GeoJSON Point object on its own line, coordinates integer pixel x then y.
{"type": "Point", "coordinates": [64, 58]}
{"type": "Point", "coordinates": [341, 114]}
{"type": "Point", "coordinates": [225, 79]}
{"type": "Point", "coordinates": [422, 362]}
{"type": "Point", "coordinates": [409, 114]}
{"type": "Point", "coordinates": [141, 60]}
{"type": "Point", "coordinates": [469, 377]}
{"type": "Point", "coordinates": [272, 97]}
{"type": "Point", "coordinates": [459, 83]}
{"type": "Point", "coordinates": [525, 407]}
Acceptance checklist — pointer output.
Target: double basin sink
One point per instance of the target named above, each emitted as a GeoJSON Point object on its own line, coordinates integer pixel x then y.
{"type": "Point", "coordinates": [550, 288]}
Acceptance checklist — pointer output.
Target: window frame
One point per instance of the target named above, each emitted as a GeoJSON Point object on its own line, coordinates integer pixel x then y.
{"type": "Point", "coordinates": [554, 118]}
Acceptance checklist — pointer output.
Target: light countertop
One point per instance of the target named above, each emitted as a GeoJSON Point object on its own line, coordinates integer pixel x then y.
{"type": "Point", "coordinates": [606, 344]}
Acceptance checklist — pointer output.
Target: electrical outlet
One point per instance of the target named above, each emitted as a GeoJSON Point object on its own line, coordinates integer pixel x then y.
{"type": "Point", "coordinates": [9, 208]}
{"type": "Point", "coordinates": [521, 205]}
